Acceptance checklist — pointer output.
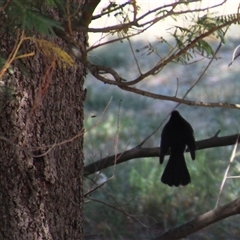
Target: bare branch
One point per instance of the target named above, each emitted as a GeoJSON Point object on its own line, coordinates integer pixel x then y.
{"type": "Point", "coordinates": [98, 71]}
{"type": "Point", "coordinates": [180, 100]}
{"type": "Point", "coordinates": [202, 221]}
{"type": "Point", "coordinates": [138, 152]}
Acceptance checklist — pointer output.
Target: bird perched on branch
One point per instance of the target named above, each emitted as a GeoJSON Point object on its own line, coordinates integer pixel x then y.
{"type": "Point", "coordinates": [176, 135]}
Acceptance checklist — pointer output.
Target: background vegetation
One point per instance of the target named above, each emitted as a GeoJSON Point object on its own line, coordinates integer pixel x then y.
{"type": "Point", "coordinates": [134, 202]}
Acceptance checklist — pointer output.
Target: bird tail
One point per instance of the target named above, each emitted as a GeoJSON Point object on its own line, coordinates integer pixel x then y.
{"type": "Point", "coordinates": [176, 172]}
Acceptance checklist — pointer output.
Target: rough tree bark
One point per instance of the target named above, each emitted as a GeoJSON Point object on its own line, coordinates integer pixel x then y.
{"type": "Point", "coordinates": [41, 193]}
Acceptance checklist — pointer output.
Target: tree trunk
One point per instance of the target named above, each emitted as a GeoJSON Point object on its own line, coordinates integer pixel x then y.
{"type": "Point", "coordinates": [41, 193]}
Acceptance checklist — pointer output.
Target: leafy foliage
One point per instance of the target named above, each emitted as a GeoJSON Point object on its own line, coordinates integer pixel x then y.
{"type": "Point", "coordinates": [191, 41]}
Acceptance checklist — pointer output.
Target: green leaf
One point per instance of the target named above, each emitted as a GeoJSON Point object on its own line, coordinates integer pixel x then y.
{"type": "Point", "coordinates": [204, 48]}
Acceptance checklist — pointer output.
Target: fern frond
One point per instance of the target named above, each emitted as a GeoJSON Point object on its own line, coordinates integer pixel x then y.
{"type": "Point", "coordinates": [40, 23]}
{"type": "Point", "coordinates": [27, 15]}
{"type": "Point", "coordinates": [228, 18]}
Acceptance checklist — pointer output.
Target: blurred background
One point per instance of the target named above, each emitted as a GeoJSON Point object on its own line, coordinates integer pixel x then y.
{"type": "Point", "coordinates": [133, 203]}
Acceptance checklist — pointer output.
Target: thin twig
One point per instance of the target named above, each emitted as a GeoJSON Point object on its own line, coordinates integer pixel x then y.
{"type": "Point", "coordinates": [97, 187]}
{"type": "Point", "coordinates": [226, 172]}
{"type": "Point", "coordinates": [134, 56]}
{"type": "Point", "coordinates": [117, 136]}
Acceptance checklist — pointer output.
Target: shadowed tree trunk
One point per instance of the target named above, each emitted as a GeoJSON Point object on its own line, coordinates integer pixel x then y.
{"type": "Point", "coordinates": [41, 193]}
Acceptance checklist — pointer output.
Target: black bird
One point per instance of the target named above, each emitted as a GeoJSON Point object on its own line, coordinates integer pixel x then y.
{"type": "Point", "coordinates": [176, 135]}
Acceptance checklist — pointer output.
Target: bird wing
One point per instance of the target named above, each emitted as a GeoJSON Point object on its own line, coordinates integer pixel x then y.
{"type": "Point", "coordinates": [165, 142]}
{"type": "Point", "coordinates": [190, 141]}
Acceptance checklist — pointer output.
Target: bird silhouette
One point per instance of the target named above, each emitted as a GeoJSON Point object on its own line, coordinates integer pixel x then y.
{"type": "Point", "coordinates": [176, 135]}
